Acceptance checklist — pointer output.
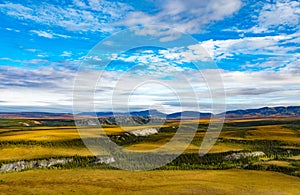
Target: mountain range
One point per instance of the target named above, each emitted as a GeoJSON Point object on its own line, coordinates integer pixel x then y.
{"type": "Point", "coordinates": [265, 112]}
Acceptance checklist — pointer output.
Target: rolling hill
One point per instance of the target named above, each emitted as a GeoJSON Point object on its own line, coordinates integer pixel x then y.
{"type": "Point", "coordinates": [265, 112]}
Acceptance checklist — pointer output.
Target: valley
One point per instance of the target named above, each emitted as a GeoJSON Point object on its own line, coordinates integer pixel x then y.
{"type": "Point", "coordinates": [234, 156]}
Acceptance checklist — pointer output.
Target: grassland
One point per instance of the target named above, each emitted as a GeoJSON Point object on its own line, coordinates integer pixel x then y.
{"type": "Point", "coordinates": [211, 174]}
{"type": "Point", "coordinates": [32, 151]}
{"type": "Point", "coordinates": [87, 181]}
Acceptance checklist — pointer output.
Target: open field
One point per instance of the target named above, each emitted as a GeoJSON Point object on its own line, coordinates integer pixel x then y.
{"type": "Point", "coordinates": [211, 174]}
{"type": "Point", "coordinates": [295, 157]}
{"type": "Point", "coordinates": [278, 163]}
{"type": "Point", "coordinates": [86, 181]}
{"type": "Point", "coordinates": [192, 148]}
{"type": "Point", "coordinates": [266, 132]}
{"type": "Point", "coordinates": [58, 139]}
{"type": "Point", "coordinates": [42, 133]}
{"type": "Point", "coordinates": [31, 152]}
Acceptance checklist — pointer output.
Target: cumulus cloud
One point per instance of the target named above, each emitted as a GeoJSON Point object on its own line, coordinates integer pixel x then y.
{"type": "Point", "coordinates": [267, 52]}
{"type": "Point", "coordinates": [275, 82]}
{"type": "Point", "coordinates": [270, 45]}
{"type": "Point", "coordinates": [107, 16]}
{"type": "Point", "coordinates": [43, 89]}
{"type": "Point", "coordinates": [186, 16]}
{"type": "Point", "coordinates": [54, 88]}
{"type": "Point", "coordinates": [94, 15]}
{"type": "Point", "coordinates": [281, 14]}
{"type": "Point", "coordinates": [293, 68]}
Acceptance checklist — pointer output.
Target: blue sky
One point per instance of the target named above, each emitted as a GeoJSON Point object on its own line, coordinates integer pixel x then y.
{"type": "Point", "coordinates": [255, 45]}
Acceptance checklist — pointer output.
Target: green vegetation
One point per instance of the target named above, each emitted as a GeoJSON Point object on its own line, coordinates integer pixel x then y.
{"type": "Point", "coordinates": [86, 181]}
{"type": "Point", "coordinates": [278, 140]}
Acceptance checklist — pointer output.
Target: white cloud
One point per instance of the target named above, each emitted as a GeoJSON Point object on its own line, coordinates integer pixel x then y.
{"type": "Point", "coordinates": [61, 35]}
{"type": "Point", "coordinates": [80, 3]}
{"type": "Point", "coordinates": [11, 29]}
{"type": "Point", "coordinates": [277, 15]}
{"type": "Point", "coordinates": [53, 88]}
{"type": "Point", "coordinates": [66, 54]}
{"type": "Point", "coordinates": [96, 15]}
{"type": "Point", "coordinates": [293, 67]}
{"type": "Point", "coordinates": [174, 58]}
{"type": "Point", "coordinates": [43, 34]}
{"type": "Point", "coordinates": [186, 16]}
{"type": "Point", "coordinates": [48, 34]}
{"type": "Point", "coordinates": [278, 51]}
{"type": "Point", "coordinates": [281, 13]}
{"type": "Point", "coordinates": [267, 45]}
{"type": "Point", "coordinates": [106, 16]}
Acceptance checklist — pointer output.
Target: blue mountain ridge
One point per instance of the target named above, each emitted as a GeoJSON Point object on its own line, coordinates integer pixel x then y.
{"type": "Point", "coordinates": [281, 111]}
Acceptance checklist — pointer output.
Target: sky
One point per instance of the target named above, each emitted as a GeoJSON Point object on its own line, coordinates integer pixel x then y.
{"type": "Point", "coordinates": [148, 54]}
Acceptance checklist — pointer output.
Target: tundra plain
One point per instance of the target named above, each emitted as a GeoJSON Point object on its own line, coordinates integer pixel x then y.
{"type": "Point", "coordinates": [218, 172]}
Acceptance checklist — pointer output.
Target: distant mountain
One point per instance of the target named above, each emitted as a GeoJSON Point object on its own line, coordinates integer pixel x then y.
{"type": "Point", "coordinates": [290, 111]}
{"type": "Point", "coordinates": [136, 113]}
{"type": "Point", "coordinates": [149, 113]}
{"type": "Point", "coordinates": [35, 115]}
{"type": "Point", "coordinates": [265, 112]}
{"type": "Point", "coordinates": [101, 114]}
{"type": "Point", "coordinates": [153, 113]}
{"type": "Point", "coordinates": [188, 114]}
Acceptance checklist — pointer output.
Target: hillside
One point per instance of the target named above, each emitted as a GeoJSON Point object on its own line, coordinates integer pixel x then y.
{"type": "Point", "coordinates": [265, 112]}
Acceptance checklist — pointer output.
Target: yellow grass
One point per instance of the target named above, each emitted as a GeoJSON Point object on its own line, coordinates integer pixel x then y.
{"type": "Point", "coordinates": [122, 129]}
{"type": "Point", "coordinates": [89, 181]}
{"type": "Point", "coordinates": [41, 134]}
{"type": "Point", "coordinates": [295, 157]}
{"type": "Point", "coordinates": [187, 121]}
{"type": "Point", "coordinates": [142, 147]}
{"type": "Point", "coordinates": [52, 128]}
{"type": "Point", "coordinates": [275, 132]}
{"type": "Point", "coordinates": [271, 132]}
{"type": "Point", "coordinates": [278, 163]}
{"type": "Point", "coordinates": [260, 119]}
{"type": "Point", "coordinates": [93, 181]}
{"type": "Point", "coordinates": [60, 133]}
{"type": "Point", "coordinates": [222, 147]}
{"type": "Point", "coordinates": [29, 152]}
